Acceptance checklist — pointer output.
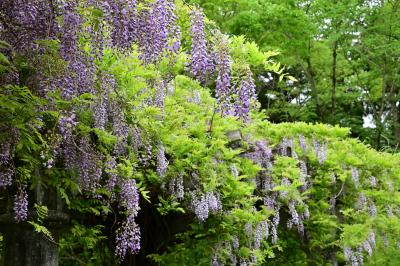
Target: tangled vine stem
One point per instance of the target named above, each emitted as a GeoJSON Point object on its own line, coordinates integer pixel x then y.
{"type": "Point", "coordinates": [209, 131]}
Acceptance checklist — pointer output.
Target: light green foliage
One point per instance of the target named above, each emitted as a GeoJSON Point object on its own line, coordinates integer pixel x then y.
{"type": "Point", "coordinates": [195, 138]}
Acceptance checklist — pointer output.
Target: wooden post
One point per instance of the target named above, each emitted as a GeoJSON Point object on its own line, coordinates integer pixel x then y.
{"type": "Point", "coordinates": [25, 247]}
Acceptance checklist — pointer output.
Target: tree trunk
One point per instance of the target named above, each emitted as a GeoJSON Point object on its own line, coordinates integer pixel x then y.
{"type": "Point", "coordinates": [396, 119]}
{"type": "Point", "coordinates": [25, 247]}
{"type": "Point", "coordinates": [314, 93]}
{"type": "Point", "coordinates": [334, 81]}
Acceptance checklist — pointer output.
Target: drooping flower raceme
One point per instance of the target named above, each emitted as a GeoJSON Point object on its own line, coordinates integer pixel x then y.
{"type": "Point", "coordinates": [159, 96]}
{"type": "Point", "coordinates": [69, 28]}
{"type": "Point", "coordinates": [179, 192]}
{"type": "Point", "coordinates": [156, 24]}
{"type": "Point", "coordinates": [87, 164]}
{"type": "Point", "coordinates": [111, 168]}
{"type": "Point", "coordinates": [101, 107]}
{"type": "Point", "coordinates": [176, 187]}
{"type": "Point", "coordinates": [245, 95]}
{"type": "Point", "coordinates": [205, 204]}
{"type": "Point", "coordinates": [162, 162]}
{"type": "Point", "coordinates": [21, 205]}
{"type": "Point", "coordinates": [262, 154]}
{"type": "Point", "coordinates": [26, 21]}
{"type": "Point", "coordinates": [275, 224]}
{"type": "Point", "coordinates": [128, 235]}
{"type": "Point", "coordinates": [6, 177]}
{"type": "Point", "coordinates": [129, 197]}
{"type": "Point", "coordinates": [120, 128]}
{"type": "Point", "coordinates": [303, 143]}
{"type": "Point", "coordinates": [199, 60]}
{"type": "Point", "coordinates": [223, 83]}
{"type": "Point", "coordinates": [258, 235]}
{"type": "Point", "coordinates": [200, 206]}
{"type": "Point", "coordinates": [355, 176]}
{"type": "Point", "coordinates": [124, 23]}
{"type": "Point", "coordinates": [248, 229]}
{"type": "Point", "coordinates": [320, 151]}
{"type": "Point", "coordinates": [127, 238]}
{"type": "Point", "coordinates": [214, 203]}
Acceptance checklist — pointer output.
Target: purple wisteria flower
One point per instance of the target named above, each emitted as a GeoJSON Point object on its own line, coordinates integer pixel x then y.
{"type": "Point", "coordinates": [275, 224]}
{"type": "Point", "coordinates": [234, 171]}
{"type": "Point", "coordinates": [303, 143]}
{"type": "Point", "coordinates": [389, 211]}
{"type": "Point", "coordinates": [214, 203]}
{"type": "Point", "coordinates": [176, 187]}
{"type": "Point", "coordinates": [30, 19]}
{"type": "Point", "coordinates": [199, 59]}
{"type": "Point", "coordinates": [129, 197]}
{"type": "Point", "coordinates": [159, 96]}
{"type": "Point", "coordinates": [88, 166]}
{"type": "Point", "coordinates": [355, 176]}
{"type": "Point", "coordinates": [261, 155]}
{"type": "Point", "coordinates": [201, 207]}
{"type": "Point", "coordinates": [6, 177]}
{"type": "Point", "coordinates": [223, 62]}
{"type": "Point", "coordinates": [124, 22]}
{"type": "Point", "coordinates": [362, 201]}
{"type": "Point", "coordinates": [235, 243]}
{"type": "Point", "coordinates": [248, 229]}
{"type": "Point", "coordinates": [6, 152]}
{"type": "Point", "coordinates": [320, 150]}
{"type": "Point", "coordinates": [162, 162]}
{"type": "Point", "coordinates": [348, 253]}
{"type": "Point", "coordinates": [111, 169]}
{"type": "Point", "coordinates": [372, 209]}
{"type": "Point", "coordinates": [258, 235]}
{"type": "Point", "coordinates": [205, 204]}
{"type": "Point", "coordinates": [128, 235]}
{"type": "Point", "coordinates": [245, 96]}
{"type": "Point", "coordinates": [373, 181]}
{"type": "Point", "coordinates": [127, 238]}
{"type": "Point", "coordinates": [179, 193]}
{"type": "Point", "coordinates": [21, 205]}
{"type": "Point", "coordinates": [70, 26]}
{"type": "Point", "coordinates": [156, 23]}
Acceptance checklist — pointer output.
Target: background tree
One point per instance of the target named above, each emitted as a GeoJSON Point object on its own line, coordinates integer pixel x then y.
{"type": "Point", "coordinates": [320, 44]}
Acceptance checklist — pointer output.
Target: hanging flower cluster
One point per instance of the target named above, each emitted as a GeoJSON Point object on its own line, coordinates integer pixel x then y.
{"type": "Point", "coordinates": [7, 149]}
{"type": "Point", "coordinates": [128, 235]}
{"type": "Point", "coordinates": [199, 58]}
{"type": "Point", "coordinates": [245, 96]}
{"type": "Point", "coordinates": [176, 187]}
{"type": "Point", "coordinates": [120, 25]}
{"type": "Point", "coordinates": [156, 24]}
{"type": "Point", "coordinates": [70, 28]}
{"type": "Point", "coordinates": [223, 64]}
{"type": "Point", "coordinates": [320, 150]}
{"type": "Point", "coordinates": [25, 21]}
{"type": "Point", "coordinates": [356, 256]}
{"type": "Point", "coordinates": [162, 162]}
{"type": "Point", "coordinates": [21, 205]}
{"type": "Point", "coordinates": [204, 204]}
